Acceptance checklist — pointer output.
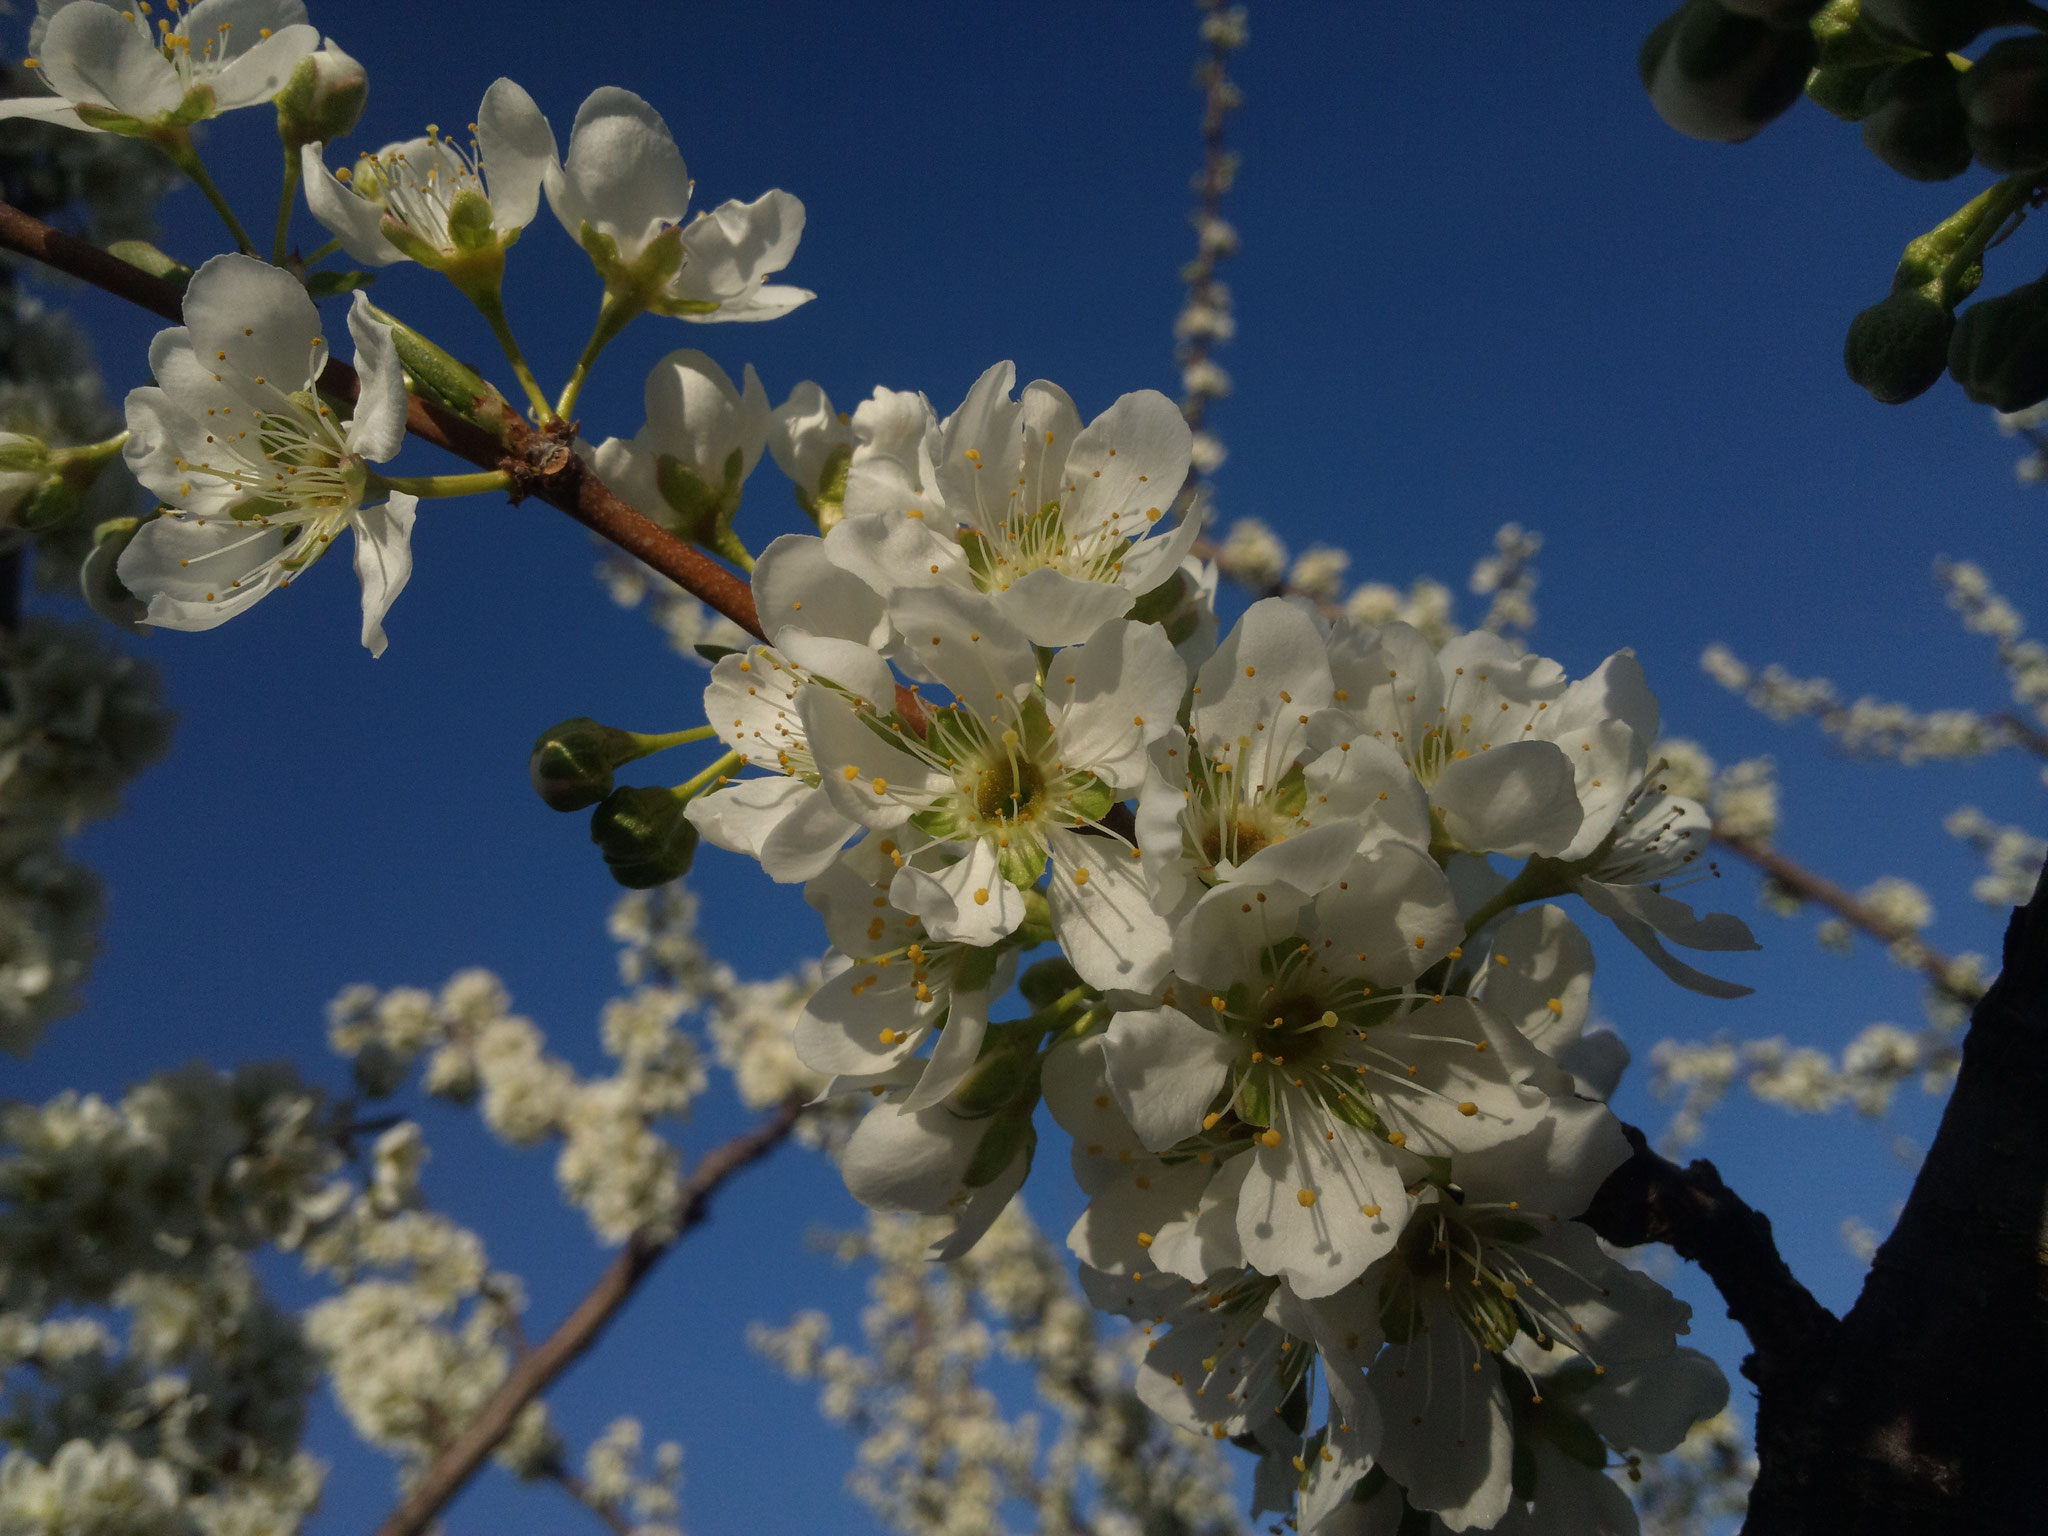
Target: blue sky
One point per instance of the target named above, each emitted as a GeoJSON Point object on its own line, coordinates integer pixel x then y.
{"type": "Point", "coordinates": [1480, 281]}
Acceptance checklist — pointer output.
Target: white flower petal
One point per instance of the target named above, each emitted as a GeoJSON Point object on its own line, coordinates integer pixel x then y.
{"type": "Point", "coordinates": [515, 151]}
{"type": "Point", "coordinates": [195, 575]}
{"type": "Point", "coordinates": [355, 221]}
{"type": "Point", "coordinates": [383, 560]}
{"type": "Point", "coordinates": [1394, 911]}
{"type": "Point", "coordinates": [624, 176]}
{"type": "Point", "coordinates": [960, 639]}
{"type": "Point", "coordinates": [1650, 1407]}
{"type": "Point", "coordinates": [729, 250]}
{"type": "Point", "coordinates": [1539, 976]}
{"type": "Point", "coordinates": [1126, 463]}
{"type": "Point", "coordinates": [1112, 698]}
{"type": "Point", "coordinates": [95, 54]}
{"type": "Point", "coordinates": [1054, 608]}
{"type": "Point", "coordinates": [1447, 1438]}
{"type": "Point", "coordinates": [798, 584]}
{"type": "Point", "coordinates": [260, 72]}
{"type": "Point", "coordinates": [1355, 1207]}
{"type": "Point", "coordinates": [1205, 1242]}
{"type": "Point", "coordinates": [260, 318]}
{"type": "Point", "coordinates": [1255, 696]}
{"type": "Point", "coordinates": [967, 902]}
{"type": "Point", "coordinates": [1520, 798]}
{"type": "Point", "coordinates": [1604, 900]}
{"type": "Point", "coordinates": [377, 429]}
{"type": "Point", "coordinates": [1102, 913]}
{"type": "Point", "coordinates": [955, 1054]}
{"type": "Point", "coordinates": [868, 777]}
{"type": "Point", "coordinates": [1165, 1070]}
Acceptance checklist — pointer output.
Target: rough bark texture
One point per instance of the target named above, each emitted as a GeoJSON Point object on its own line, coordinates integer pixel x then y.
{"type": "Point", "coordinates": [1928, 1414]}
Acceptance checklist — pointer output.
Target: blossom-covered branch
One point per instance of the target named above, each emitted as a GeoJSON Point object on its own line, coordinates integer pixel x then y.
{"type": "Point", "coordinates": [539, 462]}
{"type": "Point", "coordinates": [533, 1372]}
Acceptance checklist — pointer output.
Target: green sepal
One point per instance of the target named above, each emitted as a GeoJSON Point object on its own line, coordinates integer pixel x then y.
{"type": "Point", "coordinates": [1046, 982]}
{"type": "Point", "coordinates": [434, 375]}
{"type": "Point", "coordinates": [1842, 92]}
{"type": "Point", "coordinates": [1091, 802]}
{"type": "Point", "coordinates": [644, 836]}
{"type": "Point", "coordinates": [1022, 862]}
{"type": "Point", "coordinates": [99, 581]}
{"type": "Point", "coordinates": [146, 257]}
{"type": "Point", "coordinates": [1255, 1100]}
{"type": "Point", "coordinates": [1007, 1135]}
{"type": "Point", "coordinates": [1355, 1112]}
{"type": "Point", "coordinates": [329, 285]}
{"type": "Point", "coordinates": [716, 653]}
{"type": "Point", "coordinates": [1004, 1076]}
{"type": "Point", "coordinates": [55, 501]}
{"type": "Point", "coordinates": [825, 504]}
{"type": "Point", "coordinates": [976, 968]}
{"type": "Point", "coordinates": [107, 120]}
{"type": "Point", "coordinates": [1847, 42]}
{"type": "Point", "coordinates": [1037, 925]}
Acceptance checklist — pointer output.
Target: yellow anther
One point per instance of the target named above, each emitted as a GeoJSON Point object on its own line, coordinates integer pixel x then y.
{"type": "Point", "coordinates": [881, 786]}
{"type": "Point", "coordinates": [1368, 1210]}
{"type": "Point", "coordinates": [981, 897]}
{"type": "Point", "coordinates": [1080, 877]}
{"type": "Point", "coordinates": [888, 1037]}
{"type": "Point", "coordinates": [1467, 1108]}
{"type": "Point", "coordinates": [1396, 1139]}
{"type": "Point", "coordinates": [1304, 1197]}
{"type": "Point", "coordinates": [1144, 1239]}
{"type": "Point", "coordinates": [1556, 1006]}
{"type": "Point", "coordinates": [1269, 1137]}
{"type": "Point", "coordinates": [851, 772]}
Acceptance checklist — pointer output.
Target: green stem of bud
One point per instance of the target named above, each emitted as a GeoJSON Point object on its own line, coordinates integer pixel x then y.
{"type": "Point", "coordinates": [287, 198]}
{"type": "Point", "coordinates": [430, 487]}
{"type": "Point", "coordinates": [1538, 880]}
{"type": "Point", "coordinates": [616, 312]}
{"type": "Point", "coordinates": [1993, 207]}
{"type": "Point", "coordinates": [88, 456]}
{"type": "Point", "coordinates": [320, 252]}
{"type": "Point", "coordinates": [491, 306]}
{"type": "Point", "coordinates": [727, 543]}
{"type": "Point", "coordinates": [177, 143]}
{"type": "Point", "coordinates": [646, 746]}
{"type": "Point", "coordinates": [690, 788]}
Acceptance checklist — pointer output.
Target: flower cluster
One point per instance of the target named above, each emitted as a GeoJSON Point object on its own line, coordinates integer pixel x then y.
{"type": "Point", "coordinates": [1314, 1023]}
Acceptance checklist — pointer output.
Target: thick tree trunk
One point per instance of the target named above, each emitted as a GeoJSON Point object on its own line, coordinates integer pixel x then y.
{"type": "Point", "coordinates": [1927, 1411]}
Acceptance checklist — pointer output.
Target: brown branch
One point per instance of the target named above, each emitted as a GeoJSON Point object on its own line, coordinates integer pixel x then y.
{"type": "Point", "coordinates": [539, 462]}
{"type": "Point", "coordinates": [1808, 886]}
{"type": "Point", "coordinates": [579, 1490]}
{"type": "Point", "coordinates": [1650, 1199]}
{"type": "Point", "coordinates": [459, 1460]}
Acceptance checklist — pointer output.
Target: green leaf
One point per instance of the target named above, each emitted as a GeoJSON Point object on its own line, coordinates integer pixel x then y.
{"type": "Point", "coordinates": [327, 285]}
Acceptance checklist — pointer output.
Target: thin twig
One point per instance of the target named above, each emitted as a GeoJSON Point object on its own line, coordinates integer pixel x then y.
{"type": "Point", "coordinates": [1219, 99]}
{"type": "Point", "coordinates": [577, 1489]}
{"type": "Point", "coordinates": [539, 462]}
{"type": "Point", "coordinates": [458, 1460]}
{"type": "Point", "coordinates": [1818, 889]}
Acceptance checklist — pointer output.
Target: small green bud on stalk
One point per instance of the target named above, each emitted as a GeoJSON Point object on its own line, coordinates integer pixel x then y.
{"type": "Point", "coordinates": [1898, 347]}
{"type": "Point", "coordinates": [143, 255]}
{"type": "Point", "coordinates": [571, 763]}
{"type": "Point", "coordinates": [644, 836]}
{"type": "Point", "coordinates": [1938, 26]}
{"type": "Point", "coordinates": [2005, 105]}
{"type": "Point", "coordinates": [1716, 75]}
{"type": "Point", "coordinates": [1999, 353]}
{"type": "Point", "coordinates": [1844, 93]}
{"type": "Point", "coordinates": [322, 100]}
{"type": "Point", "coordinates": [1913, 120]}
{"type": "Point", "coordinates": [1046, 982]}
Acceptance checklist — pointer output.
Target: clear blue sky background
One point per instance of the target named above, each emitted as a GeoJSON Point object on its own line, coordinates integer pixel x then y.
{"type": "Point", "coordinates": [1480, 281]}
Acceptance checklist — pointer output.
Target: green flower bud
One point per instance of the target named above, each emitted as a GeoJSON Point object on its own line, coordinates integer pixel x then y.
{"type": "Point", "coordinates": [571, 764]}
{"type": "Point", "coordinates": [1004, 1077]}
{"type": "Point", "coordinates": [1006, 1136]}
{"type": "Point", "coordinates": [1712, 74]}
{"type": "Point", "coordinates": [1913, 120]}
{"type": "Point", "coordinates": [140, 253]}
{"type": "Point", "coordinates": [98, 581]}
{"type": "Point", "coordinates": [1897, 348]}
{"type": "Point", "coordinates": [1175, 605]}
{"type": "Point", "coordinates": [644, 836]}
{"type": "Point", "coordinates": [2005, 100]}
{"type": "Point", "coordinates": [322, 100]}
{"type": "Point", "coordinates": [1999, 353]}
{"type": "Point", "coordinates": [1843, 92]}
{"type": "Point", "coordinates": [1048, 981]}
{"type": "Point", "coordinates": [1939, 26]}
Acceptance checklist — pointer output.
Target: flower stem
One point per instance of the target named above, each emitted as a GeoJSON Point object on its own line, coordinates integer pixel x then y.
{"type": "Point", "coordinates": [690, 788]}
{"type": "Point", "coordinates": [613, 316]}
{"type": "Point", "coordinates": [287, 197]}
{"type": "Point", "coordinates": [727, 543]}
{"type": "Point", "coordinates": [492, 308]}
{"type": "Point", "coordinates": [1998, 204]}
{"type": "Point", "coordinates": [89, 453]}
{"type": "Point", "coordinates": [178, 145]}
{"type": "Point", "coordinates": [1538, 880]}
{"type": "Point", "coordinates": [321, 253]}
{"type": "Point", "coordinates": [648, 745]}
{"type": "Point", "coordinates": [429, 487]}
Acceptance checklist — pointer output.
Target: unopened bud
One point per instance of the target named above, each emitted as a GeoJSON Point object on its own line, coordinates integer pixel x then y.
{"type": "Point", "coordinates": [1999, 353]}
{"type": "Point", "coordinates": [1897, 348]}
{"type": "Point", "coordinates": [1844, 93]}
{"type": "Point", "coordinates": [24, 468]}
{"type": "Point", "coordinates": [1713, 74]}
{"type": "Point", "coordinates": [99, 582]}
{"type": "Point", "coordinates": [1004, 1076]}
{"type": "Point", "coordinates": [1046, 982]}
{"type": "Point", "coordinates": [644, 836]}
{"type": "Point", "coordinates": [2005, 102]}
{"type": "Point", "coordinates": [322, 99]}
{"type": "Point", "coordinates": [1939, 26]}
{"type": "Point", "coordinates": [1007, 1136]}
{"type": "Point", "coordinates": [571, 764]}
{"type": "Point", "coordinates": [1177, 606]}
{"type": "Point", "coordinates": [1913, 120]}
